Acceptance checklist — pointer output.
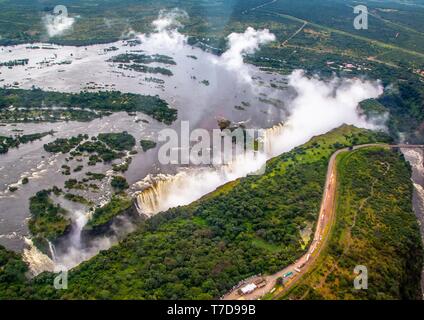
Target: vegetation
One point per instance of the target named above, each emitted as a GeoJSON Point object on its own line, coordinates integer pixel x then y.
{"type": "Point", "coordinates": [66, 170]}
{"type": "Point", "coordinates": [95, 176]}
{"type": "Point", "coordinates": [115, 207]}
{"type": "Point", "coordinates": [146, 69]}
{"type": "Point", "coordinates": [77, 198]}
{"type": "Point", "coordinates": [247, 229]}
{"type": "Point", "coordinates": [405, 102]}
{"type": "Point", "coordinates": [132, 61]}
{"type": "Point", "coordinates": [147, 144]}
{"type": "Point", "coordinates": [283, 17]}
{"type": "Point", "coordinates": [93, 160]}
{"type": "Point", "coordinates": [78, 168]}
{"type": "Point", "coordinates": [102, 152]}
{"type": "Point", "coordinates": [14, 142]}
{"type": "Point", "coordinates": [12, 274]}
{"type": "Point", "coordinates": [251, 225]}
{"type": "Point", "coordinates": [375, 227]}
{"type": "Point", "coordinates": [47, 115]}
{"type": "Point", "coordinates": [326, 44]}
{"type": "Point", "coordinates": [48, 220]}
{"type": "Point", "coordinates": [153, 80]}
{"type": "Point", "coordinates": [119, 183]}
{"type": "Point", "coordinates": [105, 147]}
{"type": "Point", "coordinates": [63, 145]}
{"type": "Point", "coordinates": [142, 58]}
{"type": "Point", "coordinates": [118, 141]}
{"type": "Point", "coordinates": [13, 63]}
{"type": "Point", "coordinates": [80, 185]}
{"type": "Point", "coordinates": [122, 167]}
{"type": "Point", "coordinates": [84, 106]}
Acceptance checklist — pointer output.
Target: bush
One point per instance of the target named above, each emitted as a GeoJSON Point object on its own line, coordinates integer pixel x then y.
{"type": "Point", "coordinates": [119, 183]}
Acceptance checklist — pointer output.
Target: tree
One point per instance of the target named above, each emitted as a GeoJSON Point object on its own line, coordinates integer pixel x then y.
{"type": "Point", "coordinates": [119, 183]}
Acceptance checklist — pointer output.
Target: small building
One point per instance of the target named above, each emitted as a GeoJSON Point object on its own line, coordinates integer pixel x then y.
{"type": "Point", "coordinates": [260, 283]}
{"type": "Point", "coordinates": [247, 289]}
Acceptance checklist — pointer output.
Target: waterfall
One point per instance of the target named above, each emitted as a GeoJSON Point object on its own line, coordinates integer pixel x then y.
{"type": "Point", "coordinates": [80, 219]}
{"type": "Point", "coordinates": [74, 252]}
{"type": "Point", "coordinates": [52, 250]}
{"type": "Point", "coordinates": [37, 261]}
{"type": "Point", "coordinates": [270, 136]}
{"type": "Point", "coordinates": [161, 192]}
{"type": "Point", "coordinates": [60, 259]}
{"type": "Point", "coordinates": [158, 187]}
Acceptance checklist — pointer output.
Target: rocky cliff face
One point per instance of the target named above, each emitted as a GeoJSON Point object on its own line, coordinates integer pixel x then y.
{"type": "Point", "coordinates": [416, 157]}
{"type": "Point", "coordinates": [128, 219]}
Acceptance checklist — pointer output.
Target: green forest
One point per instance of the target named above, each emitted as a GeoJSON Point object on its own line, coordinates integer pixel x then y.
{"type": "Point", "coordinates": [246, 227]}
{"type": "Point", "coordinates": [116, 206]}
{"type": "Point", "coordinates": [48, 220]}
{"type": "Point", "coordinates": [7, 142]}
{"type": "Point", "coordinates": [93, 104]}
{"type": "Point", "coordinates": [375, 227]}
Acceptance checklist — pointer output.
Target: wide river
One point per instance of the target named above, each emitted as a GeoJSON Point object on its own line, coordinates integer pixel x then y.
{"type": "Point", "coordinates": [74, 69]}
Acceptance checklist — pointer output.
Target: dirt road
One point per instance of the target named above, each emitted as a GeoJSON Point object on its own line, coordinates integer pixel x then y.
{"type": "Point", "coordinates": [325, 216]}
{"type": "Point", "coordinates": [325, 221]}
{"type": "Point", "coordinates": [294, 34]}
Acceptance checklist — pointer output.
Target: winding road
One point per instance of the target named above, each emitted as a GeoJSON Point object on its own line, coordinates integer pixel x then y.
{"type": "Point", "coordinates": [322, 232]}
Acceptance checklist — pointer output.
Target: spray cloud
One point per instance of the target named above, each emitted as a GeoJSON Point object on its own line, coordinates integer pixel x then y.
{"type": "Point", "coordinates": [58, 23]}
{"type": "Point", "coordinates": [240, 44]}
{"type": "Point", "coordinates": [320, 106]}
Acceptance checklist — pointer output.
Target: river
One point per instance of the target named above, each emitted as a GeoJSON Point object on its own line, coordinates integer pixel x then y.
{"type": "Point", "coordinates": [415, 158]}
